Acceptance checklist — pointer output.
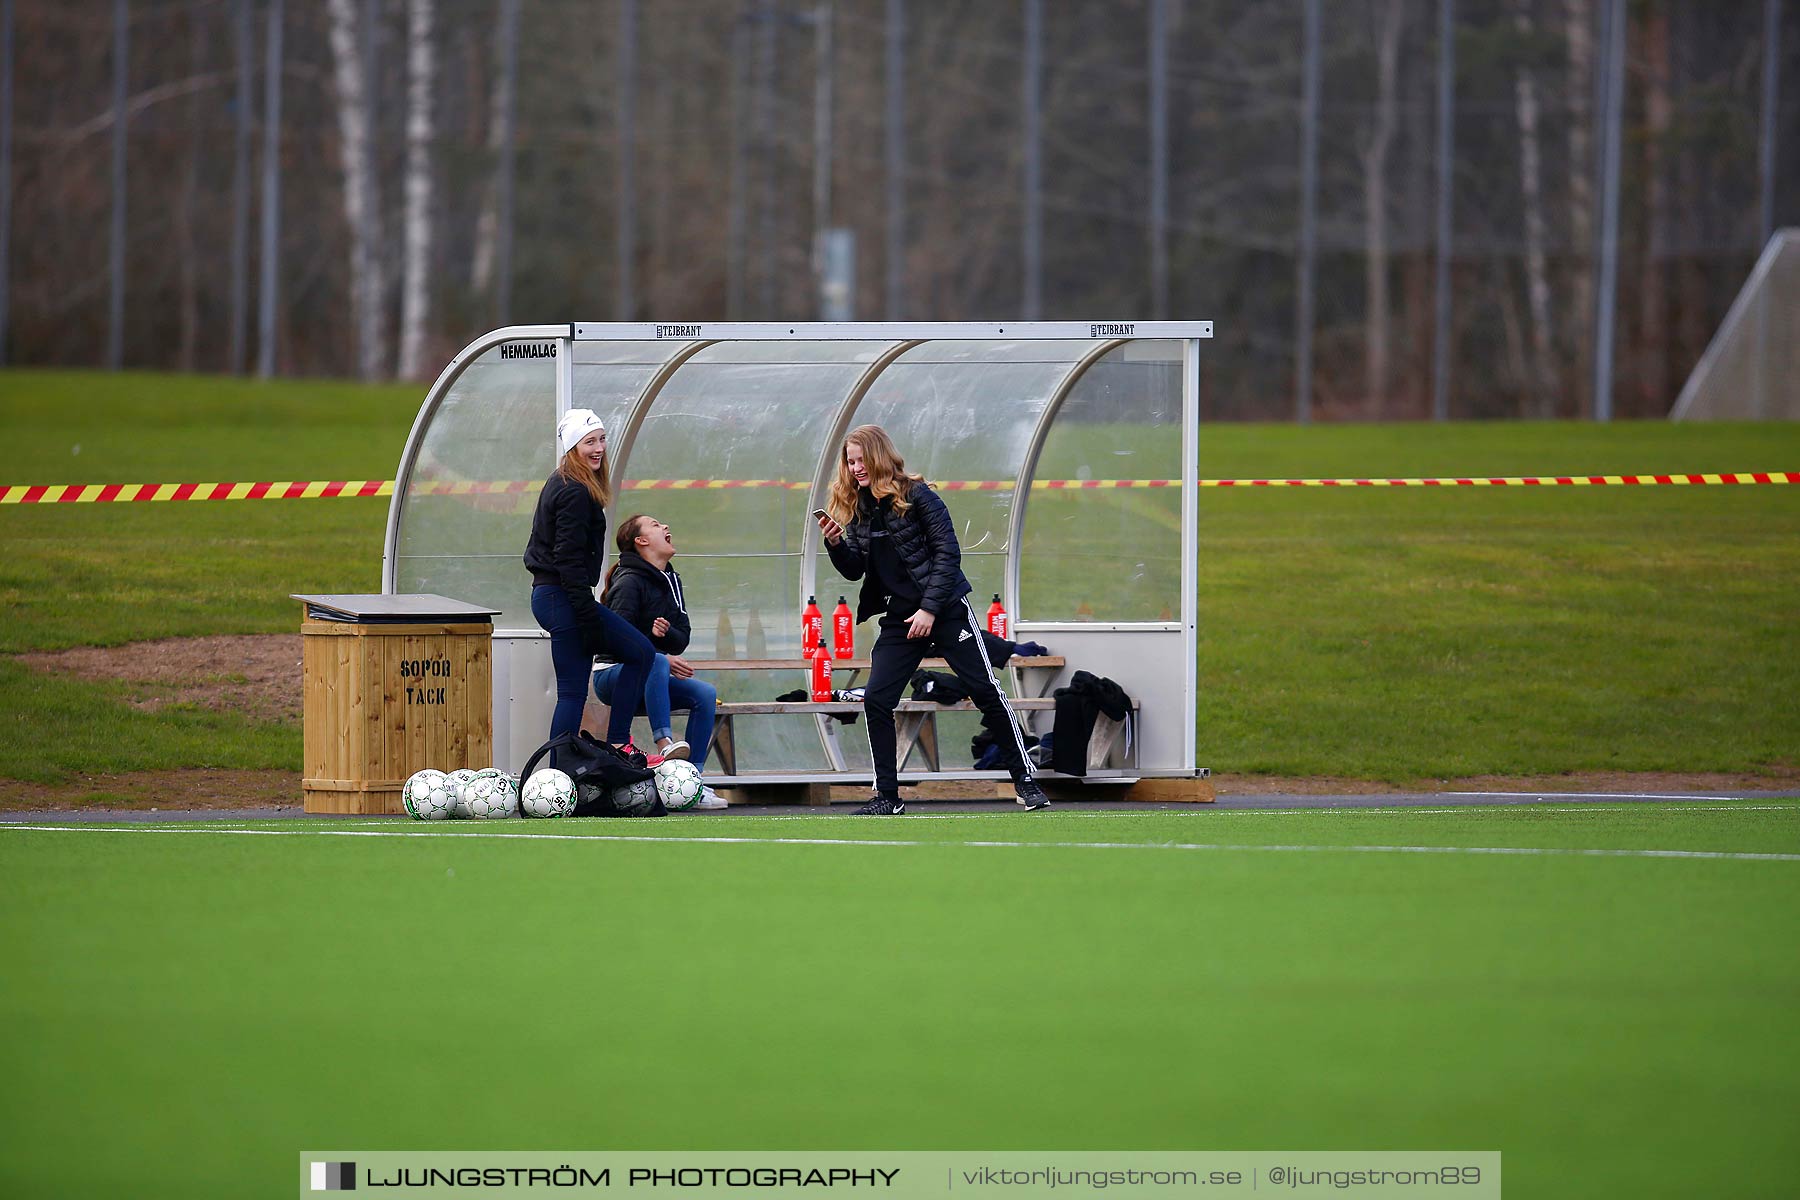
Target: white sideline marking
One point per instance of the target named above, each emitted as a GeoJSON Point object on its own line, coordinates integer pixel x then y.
{"type": "Point", "coordinates": [1206, 812]}
{"type": "Point", "coordinates": [1619, 795]}
{"type": "Point", "coordinates": [1559, 852]}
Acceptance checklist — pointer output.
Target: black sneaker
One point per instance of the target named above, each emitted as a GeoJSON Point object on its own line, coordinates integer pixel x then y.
{"type": "Point", "coordinates": [1030, 794]}
{"type": "Point", "coordinates": [881, 806]}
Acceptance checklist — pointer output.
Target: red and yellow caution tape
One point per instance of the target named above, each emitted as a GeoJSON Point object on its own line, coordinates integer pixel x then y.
{"type": "Point", "coordinates": [103, 493]}
{"type": "Point", "coordinates": [1520, 481]}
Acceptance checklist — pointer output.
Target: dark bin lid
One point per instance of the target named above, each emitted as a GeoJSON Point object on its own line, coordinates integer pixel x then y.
{"type": "Point", "coordinates": [397, 610]}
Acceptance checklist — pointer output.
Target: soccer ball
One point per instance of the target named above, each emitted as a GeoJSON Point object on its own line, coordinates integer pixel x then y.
{"type": "Point", "coordinates": [427, 795]}
{"type": "Point", "coordinates": [458, 781]}
{"type": "Point", "coordinates": [491, 795]}
{"type": "Point", "coordinates": [678, 783]}
{"type": "Point", "coordinates": [548, 793]}
{"type": "Point", "coordinates": [637, 799]}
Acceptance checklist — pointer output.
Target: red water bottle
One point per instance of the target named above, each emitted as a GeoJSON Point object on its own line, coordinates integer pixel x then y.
{"type": "Point", "coordinates": [812, 628]}
{"type": "Point", "coordinates": [843, 630]}
{"type": "Point", "coordinates": [821, 674]}
{"type": "Point", "coordinates": [996, 618]}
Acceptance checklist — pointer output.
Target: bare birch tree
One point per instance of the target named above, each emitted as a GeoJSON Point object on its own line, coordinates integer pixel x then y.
{"type": "Point", "coordinates": [1537, 269]}
{"type": "Point", "coordinates": [481, 254]}
{"type": "Point", "coordinates": [415, 292]}
{"type": "Point", "coordinates": [362, 209]}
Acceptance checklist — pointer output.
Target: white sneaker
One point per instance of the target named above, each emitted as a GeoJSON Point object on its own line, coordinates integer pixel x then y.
{"type": "Point", "coordinates": [710, 800]}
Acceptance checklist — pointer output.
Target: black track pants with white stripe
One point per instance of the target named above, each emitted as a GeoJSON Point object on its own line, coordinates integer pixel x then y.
{"type": "Point", "coordinates": [955, 638]}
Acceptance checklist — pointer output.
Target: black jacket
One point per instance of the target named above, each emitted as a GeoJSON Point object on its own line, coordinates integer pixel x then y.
{"type": "Point", "coordinates": [567, 533]}
{"type": "Point", "coordinates": [1077, 706]}
{"type": "Point", "coordinates": [925, 540]}
{"type": "Point", "coordinates": [641, 593]}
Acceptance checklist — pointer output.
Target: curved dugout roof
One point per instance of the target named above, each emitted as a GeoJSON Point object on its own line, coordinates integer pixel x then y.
{"type": "Point", "coordinates": [733, 439]}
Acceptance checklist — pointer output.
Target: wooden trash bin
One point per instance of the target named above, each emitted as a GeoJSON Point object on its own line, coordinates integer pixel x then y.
{"type": "Point", "coordinates": [393, 685]}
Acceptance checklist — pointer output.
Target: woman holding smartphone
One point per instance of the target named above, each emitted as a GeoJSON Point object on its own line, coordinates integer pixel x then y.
{"type": "Point", "coordinates": [568, 530]}
{"type": "Point", "coordinates": [889, 529]}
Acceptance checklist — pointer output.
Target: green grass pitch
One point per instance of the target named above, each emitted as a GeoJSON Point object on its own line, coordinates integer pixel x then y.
{"type": "Point", "coordinates": [186, 1008]}
{"type": "Point", "coordinates": [181, 1011]}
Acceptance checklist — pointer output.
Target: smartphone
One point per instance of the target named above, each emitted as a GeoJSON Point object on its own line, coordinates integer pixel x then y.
{"type": "Point", "coordinates": [819, 512]}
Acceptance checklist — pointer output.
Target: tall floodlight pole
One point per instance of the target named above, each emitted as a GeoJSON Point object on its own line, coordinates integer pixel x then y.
{"type": "Point", "coordinates": [271, 197]}
{"type": "Point", "coordinates": [503, 190]}
{"type": "Point", "coordinates": [625, 302]}
{"type": "Point", "coordinates": [1771, 120]}
{"type": "Point", "coordinates": [1446, 172]}
{"type": "Point", "coordinates": [6, 91]}
{"type": "Point", "coordinates": [115, 322]}
{"type": "Point", "coordinates": [1159, 159]}
{"type": "Point", "coordinates": [1612, 62]}
{"type": "Point", "coordinates": [1033, 304]}
{"type": "Point", "coordinates": [895, 137]}
{"type": "Point", "coordinates": [1309, 204]}
{"type": "Point", "coordinates": [821, 188]}
{"type": "Point", "coordinates": [240, 189]}
{"type": "Point", "coordinates": [1771, 114]}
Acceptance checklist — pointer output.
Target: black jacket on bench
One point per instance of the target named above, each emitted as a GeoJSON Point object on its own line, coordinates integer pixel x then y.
{"type": "Point", "coordinates": [641, 593]}
{"type": "Point", "coordinates": [1087, 697]}
{"type": "Point", "coordinates": [925, 540]}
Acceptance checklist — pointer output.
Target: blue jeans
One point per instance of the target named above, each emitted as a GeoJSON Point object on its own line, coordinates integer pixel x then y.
{"type": "Point", "coordinates": [574, 662]}
{"type": "Point", "coordinates": [662, 692]}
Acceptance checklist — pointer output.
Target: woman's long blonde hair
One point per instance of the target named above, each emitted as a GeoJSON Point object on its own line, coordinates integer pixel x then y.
{"type": "Point", "coordinates": [888, 477]}
{"type": "Point", "coordinates": [574, 467]}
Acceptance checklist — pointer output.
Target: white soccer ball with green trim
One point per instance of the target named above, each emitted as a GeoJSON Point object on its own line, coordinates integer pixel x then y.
{"type": "Point", "coordinates": [458, 781]}
{"type": "Point", "coordinates": [678, 783]}
{"type": "Point", "coordinates": [491, 796]}
{"type": "Point", "coordinates": [428, 796]}
{"type": "Point", "coordinates": [548, 793]}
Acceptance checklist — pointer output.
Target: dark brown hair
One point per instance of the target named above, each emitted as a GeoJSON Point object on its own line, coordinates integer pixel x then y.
{"type": "Point", "coordinates": [626, 541]}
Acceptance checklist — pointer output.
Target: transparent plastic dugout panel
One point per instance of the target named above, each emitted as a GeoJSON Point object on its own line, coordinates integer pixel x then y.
{"type": "Point", "coordinates": [610, 376]}
{"type": "Point", "coordinates": [726, 457]}
{"type": "Point", "coordinates": [1110, 551]}
{"type": "Point", "coordinates": [962, 415]}
{"type": "Point", "coordinates": [466, 513]}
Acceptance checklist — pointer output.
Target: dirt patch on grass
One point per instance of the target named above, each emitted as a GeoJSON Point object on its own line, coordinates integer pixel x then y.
{"type": "Point", "coordinates": [144, 790]}
{"type": "Point", "coordinates": [257, 675]}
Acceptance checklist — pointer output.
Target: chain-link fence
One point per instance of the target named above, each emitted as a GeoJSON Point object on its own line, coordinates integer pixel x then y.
{"type": "Point", "coordinates": [438, 167]}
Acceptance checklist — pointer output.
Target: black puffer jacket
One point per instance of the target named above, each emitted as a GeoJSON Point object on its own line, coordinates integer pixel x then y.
{"type": "Point", "coordinates": [925, 540]}
{"type": "Point", "coordinates": [641, 593]}
{"type": "Point", "coordinates": [567, 532]}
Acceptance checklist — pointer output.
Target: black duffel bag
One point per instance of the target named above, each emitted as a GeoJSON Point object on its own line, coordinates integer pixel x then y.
{"type": "Point", "coordinates": [607, 783]}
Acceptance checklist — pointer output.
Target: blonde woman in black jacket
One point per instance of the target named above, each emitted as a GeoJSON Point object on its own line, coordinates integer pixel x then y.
{"type": "Point", "coordinates": [889, 529]}
{"type": "Point", "coordinates": [568, 531]}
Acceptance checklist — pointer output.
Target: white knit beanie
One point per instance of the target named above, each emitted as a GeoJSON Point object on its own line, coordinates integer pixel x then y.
{"type": "Point", "coordinates": [576, 424]}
